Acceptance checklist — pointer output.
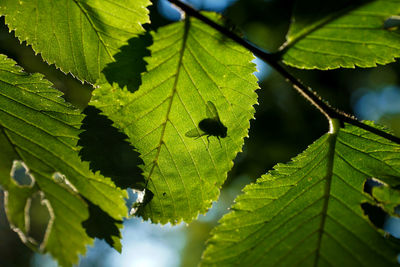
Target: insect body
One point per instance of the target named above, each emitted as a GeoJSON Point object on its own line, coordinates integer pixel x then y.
{"type": "Point", "coordinates": [211, 126]}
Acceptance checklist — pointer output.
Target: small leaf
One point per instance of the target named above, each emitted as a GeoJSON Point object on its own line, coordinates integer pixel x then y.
{"type": "Point", "coordinates": [342, 34]}
{"type": "Point", "coordinates": [308, 212]}
{"type": "Point", "coordinates": [79, 36]}
{"type": "Point", "coordinates": [190, 64]}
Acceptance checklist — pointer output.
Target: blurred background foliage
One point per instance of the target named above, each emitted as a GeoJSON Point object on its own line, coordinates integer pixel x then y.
{"type": "Point", "coordinates": [285, 125]}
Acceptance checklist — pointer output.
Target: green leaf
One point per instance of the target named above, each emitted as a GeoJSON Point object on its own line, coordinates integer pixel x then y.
{"type": "Point", "coordinates": [389, 198]}
{"type": "Point", "coordinates": [332, 35]}
{"type": "Point", "coordinates": [308, 212]}
{"type": "Point", "coordinates": [38, 128]}
{"type": "Point", "coordinates": [79, 36]}
{"type": "Point", "coordinates": [190, 64]}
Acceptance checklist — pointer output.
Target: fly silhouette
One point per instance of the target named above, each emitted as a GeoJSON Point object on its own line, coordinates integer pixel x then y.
{"type": "Point", "coordinates": [210, 126]}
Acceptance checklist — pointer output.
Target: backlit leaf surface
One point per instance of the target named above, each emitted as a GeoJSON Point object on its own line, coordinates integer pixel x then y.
{"type": "Point", "coordinates": [308, 212]}
{"type": "Point", "coordinates": [190, 64]}
{"type": "Point", "coordinates": [38, 128]}
{"type": "Point", "coordinates": [79, 36]}
{"type": "Point", "coordinates": [356, 34]}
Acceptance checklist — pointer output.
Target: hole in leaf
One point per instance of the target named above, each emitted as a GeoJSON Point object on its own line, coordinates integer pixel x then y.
{"type": "Point", "coordinates": [142, 199]}
{"type": "Point", "coordinates": [392, 226]}
{"type": "Point", "coordinates": [21, 175]}
{"type": "Point", "coordinates": [371, 183]}
{"type": "Point", "coordinates": [386, 216]}
{"type": "Point", "coordinates": [62, 179]}
{"type": "Point", "coordinates": [20, 232]}
{"type": "Point", "coordinates": [39, 218]}
{"type": "Point", "coordinates": [375, 214]}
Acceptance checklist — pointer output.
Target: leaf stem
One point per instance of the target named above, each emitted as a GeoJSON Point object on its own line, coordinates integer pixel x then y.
{"type": "Point", "coordinates": [312, 97]}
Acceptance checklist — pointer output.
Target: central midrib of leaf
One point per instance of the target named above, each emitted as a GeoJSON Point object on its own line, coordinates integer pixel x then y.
{"type": "Point", "coordinates": [328, 182]}
{"type": "Point", "coordinates": [170, 98]}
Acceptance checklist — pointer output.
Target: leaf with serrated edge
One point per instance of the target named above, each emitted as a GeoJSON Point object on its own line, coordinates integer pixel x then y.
{"type": "Point", "coordinates": [308, 212]}
{"type": "Point", "coordinates": [40, 129]}
{"type": "Point", "coordinates": [349, 37]}
{"type": "Point", "coordinates": [190, 64]}
{"type": "Point", "coordinates": [79, 36]}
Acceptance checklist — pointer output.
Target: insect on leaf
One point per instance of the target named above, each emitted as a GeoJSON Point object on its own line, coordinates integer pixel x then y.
{"type": "Point", "coordinates": [190, 64]}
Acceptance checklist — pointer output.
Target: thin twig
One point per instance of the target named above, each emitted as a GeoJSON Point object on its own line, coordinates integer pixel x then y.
{"type": "Point", "coordinates": [306, 92]}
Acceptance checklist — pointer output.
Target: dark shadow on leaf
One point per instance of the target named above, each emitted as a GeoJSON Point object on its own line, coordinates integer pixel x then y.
{"type": "Point", "coordinates": [101, 225]}
{"type": "Point", "coordinates": [129, 64]}
{"type": "Point", "coordinates": [108, 150]}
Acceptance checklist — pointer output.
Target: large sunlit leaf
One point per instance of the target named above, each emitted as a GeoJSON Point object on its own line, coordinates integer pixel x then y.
{"type": "Point", "coordinates": [39, 130]}
{"type": "Point", "coordinates": [190, 64]}
{"type": "Point", "coordinates": [78, 36]}
{"type": "Point", "coordinates": [308, 212]}
{"type": "Point", "coordinates": [333, 34]}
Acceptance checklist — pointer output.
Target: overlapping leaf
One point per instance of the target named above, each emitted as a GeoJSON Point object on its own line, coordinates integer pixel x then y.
{"type": "Point", "coordinates": [308, 212]}
{"type": "Point", "coordinates": [79, 36]}
{"type": "Point", "coordinates": [38, 128]}
{"type": "Point", "coordinates": [354, 34]}
{"type": "Point", "coordinates": [190, 64]}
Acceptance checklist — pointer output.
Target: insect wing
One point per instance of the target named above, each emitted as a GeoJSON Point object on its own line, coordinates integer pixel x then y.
{"type": "Point", "coordinates": [211, 111]}
{"type": "Point", "coordinates": [193, 133]}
